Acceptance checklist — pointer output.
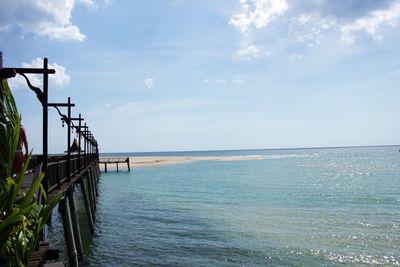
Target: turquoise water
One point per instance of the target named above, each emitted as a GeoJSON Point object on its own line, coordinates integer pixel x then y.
{"type": "Point", "coordinates": [302, 207]}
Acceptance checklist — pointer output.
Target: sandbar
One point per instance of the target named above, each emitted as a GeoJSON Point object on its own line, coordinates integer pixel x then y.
{"type": "Point", "coordinates": [165, 160]}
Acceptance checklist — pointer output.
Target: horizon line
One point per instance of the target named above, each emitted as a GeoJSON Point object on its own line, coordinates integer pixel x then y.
{"type": "Point", "coordinates": [244, 149]}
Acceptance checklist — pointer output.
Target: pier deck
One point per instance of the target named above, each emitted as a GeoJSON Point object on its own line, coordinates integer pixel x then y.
{"type": "Point", "coordinates": [114, 160]}
{"type": "Point", "coordinates": [62, 171]}
{"type": "Point", "coordinates": [59, 181]}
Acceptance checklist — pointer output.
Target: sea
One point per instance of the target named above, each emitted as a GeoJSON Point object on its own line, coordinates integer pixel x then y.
{"type": "Point", "coordinates": [295, 207]}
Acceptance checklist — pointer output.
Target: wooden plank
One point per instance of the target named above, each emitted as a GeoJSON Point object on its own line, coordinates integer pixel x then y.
{"type": "Point", "coordinates": [34, 263]}
{"type": "Point", "coordinates": [53, 264]}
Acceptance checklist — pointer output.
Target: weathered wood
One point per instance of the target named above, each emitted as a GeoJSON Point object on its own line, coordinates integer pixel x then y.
{"type": "Point", "coordinates": [94, 187]}
{"type": "Point", "coordinates": [98, 170]}
{"type": "Point", "coordinates": [34, 263]}
{"type": "Point", "coordinates": [75, 223]}
{"type": "Point", "coordinates": [61, 171]}
{"type": "Point", "coordinates": [52, 254]}
{"type": "Point", "coordinates": [87, 205]}
{"type": "Point", "coordinates": [68, 234]}
{"type": "Point", "coordinates": [67, 185]}
{"type": "Point", "coordinates": [95, 182]}
{"type": "Point", "coordinates": [115, 161]}
{"type": "Point", "coordinates": [91, 197]}
{"type": "Point", "coordinates": [53, 264]}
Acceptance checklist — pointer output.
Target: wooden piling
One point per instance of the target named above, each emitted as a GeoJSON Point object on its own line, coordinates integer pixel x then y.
{"type": "Point", "coordinates": [117, 167]}
{"type": "Point", "coordinates": [87, 205]}
{"type": "Point", "coordinates": [98, 171]}
{"type": "Point", "coordinates": [68, 233]}
{"type": "Point", "coordinates": [128, 163]}
{"type": "Point", "coordinates": [56, 170]}
{"type": "Point", "coordinates": [91, 195]}
{"type": "Point", "coordinates": [95, 181]}
{"type": "Point", "coordinates": [75, 223]}
{"type": "Point", "coordinates": [94, 186]}
{"type": "Point", "coordinates": [105, 167]}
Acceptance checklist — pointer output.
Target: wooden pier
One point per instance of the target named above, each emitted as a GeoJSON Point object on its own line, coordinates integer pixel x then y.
{"type": "Point", "coordinates": [62, 171]}
{"type": "Point", "coordinates": [84, 172]}
{"type": "Point", "coordinates": [116, 161]}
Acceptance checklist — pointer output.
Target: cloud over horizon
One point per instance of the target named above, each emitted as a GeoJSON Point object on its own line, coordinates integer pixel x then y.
{"type": "Point", "coordinates": [372, 23]}
{"type": "Point", "coordinates": [309, 22]}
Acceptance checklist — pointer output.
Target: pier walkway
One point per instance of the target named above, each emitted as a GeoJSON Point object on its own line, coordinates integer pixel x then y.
{"type": "Point", "coordinates": [79, 166]}
{"type": "Point", "coordinates": [116, 161]}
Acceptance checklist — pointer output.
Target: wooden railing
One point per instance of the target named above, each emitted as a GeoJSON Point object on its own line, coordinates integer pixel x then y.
{"type": "Point", "coordinates": [57, 167]}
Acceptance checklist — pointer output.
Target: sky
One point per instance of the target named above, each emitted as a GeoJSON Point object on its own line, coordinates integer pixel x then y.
{"type": "Point", "coordinates": [169, 75]}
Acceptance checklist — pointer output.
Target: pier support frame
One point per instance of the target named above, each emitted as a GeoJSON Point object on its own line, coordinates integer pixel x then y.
{"type": "Point", "coordinates": [128, 163]}
{"type": "Point", "coordinates": [75, 223]}
{"type": "Point", "coordinates": [91, 196]}
{"type": "Point", "coordinates": [68, 233]}
{"type": "Point", "coordinates": [95, 181]}
{"type": "Point", "coordinates": [87, 205]}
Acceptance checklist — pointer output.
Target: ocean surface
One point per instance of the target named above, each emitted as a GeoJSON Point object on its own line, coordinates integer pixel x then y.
{"type": "Point", "coordinates": [299, 207]}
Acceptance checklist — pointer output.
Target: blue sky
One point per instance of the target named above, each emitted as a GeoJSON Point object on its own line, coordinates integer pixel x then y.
{"type": "Point", "coordinates": [161, 75]}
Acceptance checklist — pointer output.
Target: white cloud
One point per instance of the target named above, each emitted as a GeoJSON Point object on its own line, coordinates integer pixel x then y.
{"type": "Point", "coordinates": [220, 81]}
{"type": "Point", "coordinates": [251, 52]}
{"type": "Point", "coordinates": [149, 83]}
{"type": "Point", "coordinates": [372, 23]}
{"type": "Point", "coordinates": [258, 13]}
{"type": "Point", "coordinates": [238, 81]}
{"type": "Point", "coordinates": [55, 32]}
{"type": "Point", "coordinates": [47, 18]}
{"type": "Point", "coordinates": [88, 3]}
{"type": "Point", "coordinates": [206, 80]}
{"type": "Point", "coordinates": [294, 56]}
{"type": "Point", "coordinates": [93, 4]}
{"type": "Point", "coordinates": [309, 28]}
{"type": "Point", "coordinates": [60, 78]}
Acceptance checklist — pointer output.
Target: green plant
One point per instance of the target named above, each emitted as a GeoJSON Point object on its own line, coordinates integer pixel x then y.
{"type": "Point", "coordinates": [10, 122]}
{"type": "Point", "coordinates": [21, 217]}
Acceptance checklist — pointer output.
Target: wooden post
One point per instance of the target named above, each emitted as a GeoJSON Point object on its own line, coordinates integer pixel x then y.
{"type": "Point", "coordinates": [95, 194]}
{"type": "Point", "coordinates": [105, 166]}
{"type": "Point", "coordinates": [69, 141]}
{"type": "Point", "coordinates": [58, 173]}
{"type": "Point", "coordinates": [98, 170]}
{"type": "Point", "coordinates": [93, 188]}
{"type": "Point", "coordinates": [117, 167]}
{"type": "Point", "coordinates": [45, 124]}
{"type": "Point", "coordinates": [79, 142]}
{"type": "Point", "coordinates": [68, 233]}
{"type": "Point", "coordinates": [87, 205]}
{"type": "Point", "coordinates": [91, 197]}
{"type": "Point", "coordinates": [129, 163]}
{"type": "Point", "coordinates": [75, 223]}
{"type": "Point", "coordinates": [84, 147]}
{"type": "Point", "coordinates": [94, 179]}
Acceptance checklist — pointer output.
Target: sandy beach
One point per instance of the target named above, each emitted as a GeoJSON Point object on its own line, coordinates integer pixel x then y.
{"type": "Point", "coordinates": [163, 160]}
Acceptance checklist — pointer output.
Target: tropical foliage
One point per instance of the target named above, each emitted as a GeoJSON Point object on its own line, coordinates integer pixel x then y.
{"type": "Point", "coordinates": [21, 217]}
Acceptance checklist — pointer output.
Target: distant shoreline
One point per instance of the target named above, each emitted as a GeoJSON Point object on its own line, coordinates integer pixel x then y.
{"type": "Point", "coordinates": [167, 160]}
{"type": "Point", "coordinates": [242, 149]}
